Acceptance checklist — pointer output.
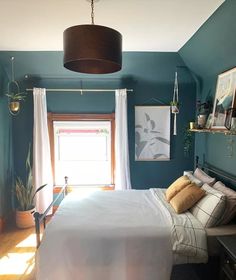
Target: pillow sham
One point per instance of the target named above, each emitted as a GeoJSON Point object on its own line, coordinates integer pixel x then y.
{"type": "Point", "coordinates": [230, 207]}
{"type": "Point", "coordinates": [194, 179]}
{"type": "Point", "coordinates": [209, 209]}
{"type": "Point", "coordinates": [176, 187]}
{"type": "Point", "coordinates": [186, 198]}
{"type": "Point", "coordinates": [202, 176]}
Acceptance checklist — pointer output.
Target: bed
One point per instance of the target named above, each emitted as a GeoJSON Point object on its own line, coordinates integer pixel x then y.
{"type": "Point", "coordinates": [120, 235]}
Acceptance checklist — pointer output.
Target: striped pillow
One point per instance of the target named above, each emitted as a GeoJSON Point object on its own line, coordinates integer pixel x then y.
{"type": "Point", "coordinates": [230, 208]}
{"type": "Point", "coordinates": [209, 209]}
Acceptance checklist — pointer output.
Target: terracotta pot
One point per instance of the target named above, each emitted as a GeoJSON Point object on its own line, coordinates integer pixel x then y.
{"type": "Point", "coordinates": [25, 219]}
{"type": "Point", "coordinates": [14, 106]}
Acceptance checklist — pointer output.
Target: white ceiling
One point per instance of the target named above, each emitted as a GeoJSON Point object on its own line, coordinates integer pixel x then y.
{"type": "Point", "coordinates": [146, 25]}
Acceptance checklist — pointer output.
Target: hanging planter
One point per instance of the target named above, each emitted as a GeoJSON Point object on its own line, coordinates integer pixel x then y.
{"type": "Point", "coordinates": [174, 107]}
{"type": "Point", "coordinates": [175, 103]}
{"type": "Point", "coordinates": [14, 95]}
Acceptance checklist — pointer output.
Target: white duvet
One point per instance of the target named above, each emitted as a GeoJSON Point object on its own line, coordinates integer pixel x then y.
{"type": "Point", "coordinates": [113, 235]}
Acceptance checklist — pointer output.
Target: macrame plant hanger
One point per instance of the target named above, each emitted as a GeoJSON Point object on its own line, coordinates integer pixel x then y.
{"type": "Point", "coordinates": [175, 103]}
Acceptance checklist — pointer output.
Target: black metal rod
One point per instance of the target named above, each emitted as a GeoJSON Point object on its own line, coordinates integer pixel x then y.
{"type": "Point", "coordinates": [41, 217]}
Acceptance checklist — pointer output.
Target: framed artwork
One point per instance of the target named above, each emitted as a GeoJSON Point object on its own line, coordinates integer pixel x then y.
{"type": "Point", "coordinates": [224, 97]}
{"type": "Point", "coordinates": [152, 133]}
{"type": "Point", "coordinates": [209, 121]}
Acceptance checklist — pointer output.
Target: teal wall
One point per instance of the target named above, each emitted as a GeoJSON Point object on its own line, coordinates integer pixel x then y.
{"type": "Point", "coordinates": [6, 162]}
{"type": "Point", "coordinates": [211, 51]}
{"type": "Point", "coordinates": [151, 75]}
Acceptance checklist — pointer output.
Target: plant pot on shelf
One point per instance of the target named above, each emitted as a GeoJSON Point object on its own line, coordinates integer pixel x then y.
{"type": "Point", "coordinates": [25, 219]}
{"type": "Point", "coordinates": [201, 120]}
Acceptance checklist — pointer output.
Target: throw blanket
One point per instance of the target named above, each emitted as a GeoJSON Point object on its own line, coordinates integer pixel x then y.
{"type": "Point", "coordinates": [113, 235]}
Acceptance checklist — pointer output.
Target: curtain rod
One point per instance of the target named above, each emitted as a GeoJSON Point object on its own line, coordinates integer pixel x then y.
{"type": "Point", "coordinates": [81, 90]}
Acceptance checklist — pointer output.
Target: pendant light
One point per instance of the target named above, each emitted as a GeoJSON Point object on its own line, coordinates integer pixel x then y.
{"type": "Point", "coordinates": [92, 49]}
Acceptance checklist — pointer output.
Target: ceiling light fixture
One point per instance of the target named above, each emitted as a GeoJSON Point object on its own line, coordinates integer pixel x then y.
{"type": "Point", "coordinates": [92, 49]}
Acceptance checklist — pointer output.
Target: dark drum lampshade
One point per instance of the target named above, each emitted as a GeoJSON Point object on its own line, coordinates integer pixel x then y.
{"type": "Point", "coordinates": [92, 49]}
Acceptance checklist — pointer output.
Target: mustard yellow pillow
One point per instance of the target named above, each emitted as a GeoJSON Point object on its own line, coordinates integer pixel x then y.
{"type": "Point", "coordinates": [186, 198]}
{"type": "Point", "coordinates": [177, 186]}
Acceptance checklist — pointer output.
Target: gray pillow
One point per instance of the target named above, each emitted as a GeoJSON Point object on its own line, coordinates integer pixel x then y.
{"type": "Point", "coordinates": [194, 179]}
{"type": "Point", "coordinates": [205, 178]}
{"type": "Point", "coordinates": [230, 208]}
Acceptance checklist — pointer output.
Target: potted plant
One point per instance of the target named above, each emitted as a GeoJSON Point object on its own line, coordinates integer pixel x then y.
{"type": "Point", "coordinates": [25, 194]}
{"type": "Point", "coordinates": [174, 107]}
{"type": "Point", "coordinates": [14, 101]}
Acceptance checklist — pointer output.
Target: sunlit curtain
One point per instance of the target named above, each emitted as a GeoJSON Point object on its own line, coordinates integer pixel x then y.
{"type": "Point", "coordinates": [42, 170]}
{"type": "Point", "coordinates": [122, 171]}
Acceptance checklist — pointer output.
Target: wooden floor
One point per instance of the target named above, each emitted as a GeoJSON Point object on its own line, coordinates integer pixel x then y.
{"type": "Point", "coordinates": [17, 251]}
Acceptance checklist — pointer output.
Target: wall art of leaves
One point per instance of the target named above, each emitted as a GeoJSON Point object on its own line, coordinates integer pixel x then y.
{"type": "Point", "coordinates": [152, 133]}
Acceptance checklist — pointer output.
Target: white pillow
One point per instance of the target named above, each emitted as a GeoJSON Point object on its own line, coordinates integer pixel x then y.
{"type": "Point", "coordinates": [209, 209]}
{"type": "Point", "coordinates": [194, 179]}
{"type": "Point", "coordinates": [205, 178]}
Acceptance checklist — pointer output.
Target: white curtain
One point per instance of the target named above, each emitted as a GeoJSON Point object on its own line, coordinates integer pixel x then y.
{"type": "Point", "coordinates": [122, 172]}
{"type": "Point", "coordinates": [42, 169]}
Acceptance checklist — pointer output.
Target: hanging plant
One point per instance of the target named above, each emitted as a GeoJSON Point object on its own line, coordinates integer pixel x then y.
{"type": "Point", "coordinates": [187, 141]}
{"type": "Point", "coordinates": [174, 107]}
{"type": "Point", "coordinates": [14, 95]}
{"type": "Point", "coordinates": [175, 103]}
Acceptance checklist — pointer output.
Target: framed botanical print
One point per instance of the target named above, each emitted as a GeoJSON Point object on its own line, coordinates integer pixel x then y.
{"type": "Point", "coordinates": [152, 133]}
{"type": "Point", "coordinates": [224, 98]}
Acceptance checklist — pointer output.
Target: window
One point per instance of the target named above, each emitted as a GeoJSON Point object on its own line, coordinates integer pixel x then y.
{"type": "Point", "coordinates": [82, 149]}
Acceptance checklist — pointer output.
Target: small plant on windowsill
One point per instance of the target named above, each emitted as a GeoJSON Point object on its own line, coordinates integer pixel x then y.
{"type": "Point", "coordinates": [25, 194]}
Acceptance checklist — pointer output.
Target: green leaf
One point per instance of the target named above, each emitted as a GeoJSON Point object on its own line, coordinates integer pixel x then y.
{"type": "Point", "coordinates": [140, 147]}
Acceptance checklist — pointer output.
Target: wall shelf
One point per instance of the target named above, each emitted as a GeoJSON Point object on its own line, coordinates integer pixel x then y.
{"type": "Point", "coordinates": [213, 131]}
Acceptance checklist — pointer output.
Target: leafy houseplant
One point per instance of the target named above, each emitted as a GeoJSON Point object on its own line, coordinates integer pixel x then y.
{"type": "Point", "coordinates": [25, 195]}
{"type": "Point", "coordinates": [14, 101]}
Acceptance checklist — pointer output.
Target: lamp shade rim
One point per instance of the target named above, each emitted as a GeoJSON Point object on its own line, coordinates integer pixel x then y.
{"type": "Point", "coordinates": [92, 26]}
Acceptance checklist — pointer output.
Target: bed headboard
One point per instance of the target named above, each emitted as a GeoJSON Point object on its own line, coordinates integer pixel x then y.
{"type": "Point", "coordinates": [221, 175]}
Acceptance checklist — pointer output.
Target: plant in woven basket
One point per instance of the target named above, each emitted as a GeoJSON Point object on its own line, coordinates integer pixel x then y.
{"type": "Point", "coordinates": [24, 191]}
{"type": "Point", "coordinates": [25, 194]}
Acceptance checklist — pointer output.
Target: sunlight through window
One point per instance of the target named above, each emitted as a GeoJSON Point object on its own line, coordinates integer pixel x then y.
{"type": "Point", "coordinates": [30, 241]}
{"type": "Point", "coordinates": [17, 263]}
{"type": "Point", "coordinates": [83, 152]}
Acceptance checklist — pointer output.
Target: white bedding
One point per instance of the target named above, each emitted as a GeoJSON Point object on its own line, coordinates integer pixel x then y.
{"type": "Point", "coordinates": [113, 235]}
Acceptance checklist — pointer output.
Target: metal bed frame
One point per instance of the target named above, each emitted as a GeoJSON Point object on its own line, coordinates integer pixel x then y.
{"type": "Point", "coordinates": [40, 218]}
{"type": "Point", "coordinates": [218, 173]}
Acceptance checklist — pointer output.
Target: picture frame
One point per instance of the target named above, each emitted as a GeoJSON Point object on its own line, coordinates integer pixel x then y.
{"type": "Point", "coordinates": [209, 121]}
{"type": "Point", "coordinates": [224, 97]}
{"type": "Point", "coordinates": [152, 133]}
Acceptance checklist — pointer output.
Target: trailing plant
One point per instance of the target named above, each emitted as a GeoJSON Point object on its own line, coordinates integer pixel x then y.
{"type": "Point", "coordinates": [188, 141]}
{"type": "Point", "coordinates": [24, 191]}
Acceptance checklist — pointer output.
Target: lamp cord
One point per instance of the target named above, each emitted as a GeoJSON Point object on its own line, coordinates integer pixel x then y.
{"type": "Point", "coordinates": [12, 69]}
{"type": "Point", "coordinates": [92, 11]}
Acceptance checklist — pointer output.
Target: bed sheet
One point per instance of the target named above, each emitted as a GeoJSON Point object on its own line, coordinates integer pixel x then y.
{"type": "Point", "coordinates": [113, 235]}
